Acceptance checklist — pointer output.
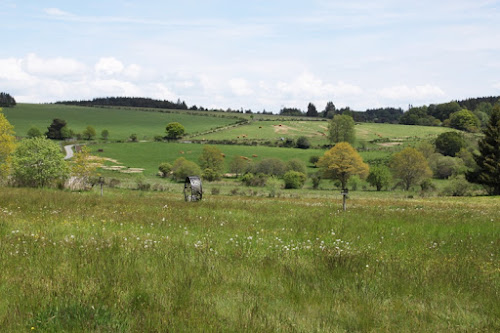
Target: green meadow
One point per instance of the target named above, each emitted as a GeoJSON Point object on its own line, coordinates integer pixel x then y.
{"type": "Point", "coordinates": [136, 261]}
{"type": "Point", "coordinates": [317, 132]}
{"type": "Point", "coordinates": [120, 123]}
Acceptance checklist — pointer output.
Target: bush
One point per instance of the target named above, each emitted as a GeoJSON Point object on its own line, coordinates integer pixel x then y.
{"type": "Point", "coordinates": [133, 137]}
{"type": "Point", "coordinates": [379, 176]}
{"type": "Point", "coordinates": [458, 187]}
{"type": "Point", "coordinates": [294, 179]}
{"type": "Point", "coordinates": [273, 185]}
{"type": "Point", "coordinates": [449, 143]}
{"type": "Point", "coordinates": [215, 191]}
{"type": "Point", "coordinates": [250, 179]}
{"type": "Point", "coordinates": [210, 175]}
{"type": "Point", "coordinates": [313, 160]}
{"type": "Point", "coordinates": [444, 166]}
{"type": "Point", "coordinates": [303, 143]}
{"type": "Point", "coordinates": [271, 166]}
{"type": "Point", "coordinates": [316, 179]}
{"type": "Point", "coordinates": [158, 138]}
{"type": "Point", "coordinates": [183, 168]}
{"type": "Point", "coordinates": [296, 165]}
{"type": "Point", "coordinates": [353, 182]}
{"type": "Point", "coordinates": [165, 169]}
{"type": "Point", "coordinates": [114, 183]}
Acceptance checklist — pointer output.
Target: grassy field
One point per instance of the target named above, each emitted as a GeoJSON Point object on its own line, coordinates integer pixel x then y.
{"type": "Point", "coordinates": [317, 132]}
{"type": "Point", "coordinates": [120, 123]}
{"type": "Point", "coordinates": [145, 262]}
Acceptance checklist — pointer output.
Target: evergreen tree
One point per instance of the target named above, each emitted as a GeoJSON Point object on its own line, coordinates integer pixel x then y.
{"type": "Point", "coordinates": [54, 130]}
{"type": "Point", "coordinates": [311, 110]}
{"type": "Point", "coordinates": [488, 162]}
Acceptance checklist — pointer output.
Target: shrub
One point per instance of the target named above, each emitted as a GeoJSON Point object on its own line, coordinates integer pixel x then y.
{"type": "Point", "coordinates": [313, 160]}
{"type": "Point", "coordinates": [353, 182]}
{"type": "Point", "coordinates": [271, 166]}
{"type": "Point", "coordinates": [458, 187]}
{"type": "Point", "coordinates": [158, 138]}
{"type": "Point", "coordinates": [114, 183]}
{"type": "Point", "coordinates": [449, 143]}
{"type": "Point", "coordinates": [250, 179]}
{"type": "Point", "coordinates": [273, 185]}
{"type": "Point", "coordinates": [294, 179]}
{"type": "Point", "coordinates": [38, 162]}
{"type": "Point", "coordinates": [165, 168]}
{"type": "Point", "coordinates": [183, 168]}
{"type": "Point", "coordinates": [296, 165]}
{"type": "Point", "coordinates": [215, 191]}
{"type": "Point", "coordinates": [379, 176]}
{"type": "Point", "coordinates": [316, 179]}
{"type": "Point", "coordinates": [34, 132]}
{"type": "Point", "coordinates": [133, 137]}
{"type": "Point", "coordinates": [303, 143]}
{"type": "Point", "coordinates": [210, 175]}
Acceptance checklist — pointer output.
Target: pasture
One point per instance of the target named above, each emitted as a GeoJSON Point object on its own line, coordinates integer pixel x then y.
{"type": "Point", "coordinates": [120, 123]}
{"type": "Point", "coordinates": [140, 262]}
{"type": "Point", "coordinates": [317, 132]}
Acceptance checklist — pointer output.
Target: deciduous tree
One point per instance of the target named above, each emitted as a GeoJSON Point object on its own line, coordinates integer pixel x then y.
{"type": "Point", "coordinates": [449, 143]}
{"type": "Point", "coordinates": [38, 162]}
{"type": "Point", "coordinates": [174, 131]}
{"type": "Point", "coordinates": [379, 177]}
{"type": "Point", "coordinates": [89, 133]}
{"type": "Point", "coordinates": [341, 129]}
{"type": "Point", "coordinates": [7, 145]}
{"type": "Point", "coordinates": [212, 158]}
{"type": "Point", "coordinates": [410, 167]}
{"type": "Point", "coordinates": [341, 162]}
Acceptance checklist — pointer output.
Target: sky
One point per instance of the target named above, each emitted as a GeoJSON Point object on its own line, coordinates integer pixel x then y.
{"type": "Point", "coordinates": [259, 55]}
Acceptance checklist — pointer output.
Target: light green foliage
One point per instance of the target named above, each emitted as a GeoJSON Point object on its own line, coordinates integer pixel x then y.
{"type": "Point", "coordinates": [271, 166]}
{"type": "Point", "coordinates": [464, 120]}
{"type": "Point", "coordinates": [89, 133]}
{"type": "Point", "coordinates": [34, 132]}
{"type": "Point", "coordinates": [238, 165]}
{"type": "Point", "coordinates": [379, 176]}
{"type": "Point", "coordinates": [7, 145]}
{"type": "Point", "coordinates": [210, 175]}
{"type": "Point", "coordinates": [341, 162]}
{"type": "Point", "coordinates": [38, 162]}
{"type": "Point", "coordinates": [149, 262]}
{"type": "Point", "coordinates": [175, 131]}
{"type": "Point", "coordinates": [165, 169]}
{"type": "Point", "coordinates": [294, 179]}
{"type": "Point", "coordinates": [444, 166]}
{"type": "Point", "coordinates": [426, 148]}
{"type": "Point", "coordinates": [82, 166]}
{"type": "Point", "coordinates": [410, 167]}
{"type": "Point", "coordinates": [104, 134]}
{"type": "Point", "coordinates": [212, 158]}
{"type": "Point", "coordinates": [296, 164]}
{"type": "Point", "coordinates": [183, 168]}
{"type": "Point", "coordinates": [341, 129]}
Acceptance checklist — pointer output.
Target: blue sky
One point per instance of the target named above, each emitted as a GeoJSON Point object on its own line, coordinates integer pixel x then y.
{"type": "Point", "coordinates": [252, 54]}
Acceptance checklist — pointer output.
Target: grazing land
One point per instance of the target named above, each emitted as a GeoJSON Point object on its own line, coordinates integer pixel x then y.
{"type": "Point", "coordinates": [317, 132]}
{"type": "Point", "coordinates": [121, 123]}
{"type": "Point", "coordinates": [136, 261]}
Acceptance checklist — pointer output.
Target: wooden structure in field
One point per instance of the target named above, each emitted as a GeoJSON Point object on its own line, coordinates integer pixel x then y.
{"type": "Point", "coordinates": [192, 189]}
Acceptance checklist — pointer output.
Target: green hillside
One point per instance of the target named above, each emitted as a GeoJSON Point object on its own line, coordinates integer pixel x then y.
{"type": "Point", "coordinates": [120, 123]}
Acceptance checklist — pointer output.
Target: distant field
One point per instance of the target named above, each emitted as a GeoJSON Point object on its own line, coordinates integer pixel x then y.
{"type": "Point", "coordinates": [149, 155]}
{"type": "Point", "coordinates": [317, 131]}
{"type": "Point", "coordinates": [120, 123]}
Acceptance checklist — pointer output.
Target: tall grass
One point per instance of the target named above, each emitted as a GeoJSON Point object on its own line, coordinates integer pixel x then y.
{"type": "Point", "coordinates": [144, 262]}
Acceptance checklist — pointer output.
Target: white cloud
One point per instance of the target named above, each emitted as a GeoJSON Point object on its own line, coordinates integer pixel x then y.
{"type": "Point", "coordinates": [240, 87]}
{"type": "Point", "coordinates": [132, 71]}
{"type": "Point", "coordinates": [56, 12]}
{"type": "Point", "coordinates": [108, 66]}
{"type": "Point", "coordinates": [402, 92]}
{"type": "Point", "coordinates": [53, 66]}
